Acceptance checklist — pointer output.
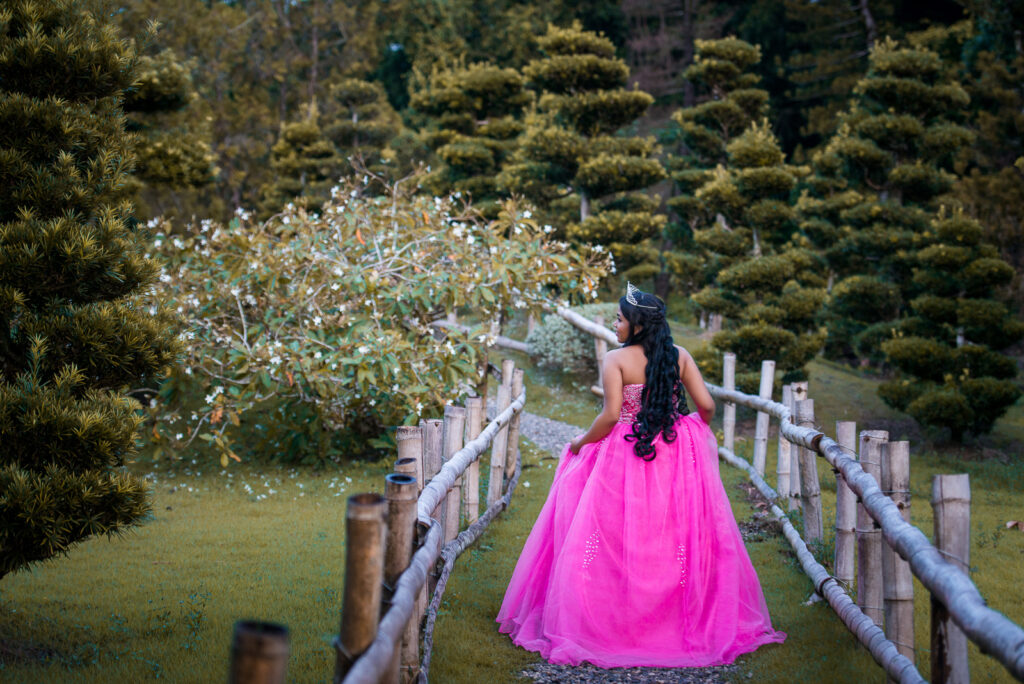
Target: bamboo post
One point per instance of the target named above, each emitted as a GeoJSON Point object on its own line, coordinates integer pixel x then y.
{"type": "Point", "coordinates": [810, 490]}
{"type": "Point", "coordinates": [499, 446]}
{"type": "Point", "coordinates": [410, 446]}
{"type": "Point", "coordinates": [364, 572]}
{"type": "Point", "coordinates": [729, 414]}
{"type": "Point", "coordinates": [897, 580]}
{"type": "Point", "coordinates": [761, 426]}
{"type": "Point", "coordinates": [400, 491]}
{"type": "Point", "coordinates": [259, 653]}
{"type": "Point", "coordinates": [512, 444]}
{"type": "Point", "coordinates": [846, 509]}
{"type": "Point", "coordinates": [600, 349]}
{"type": "Point", "coordinates": [869, 534]}
{"type": "Point", "coordinates": [531, 324]}
{"type": "Point", "coordinates": [433, 458]}
{"type": "Point", "coordinates": [471, 484]}
{"type": "Point", "coordinates": [951, 503]}
{"type": "Point", "coordinates": [782, 463]}
{"type": "Point", "coordinates": [799, 394]}
{"type": "Point", "coordinates": [454, 430]}
{"type": "Point", "coordinates": [406, 466]}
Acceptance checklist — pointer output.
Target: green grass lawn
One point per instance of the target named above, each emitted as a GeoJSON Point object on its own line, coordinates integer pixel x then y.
{"type": "Point", "coordinates": [268, 543]}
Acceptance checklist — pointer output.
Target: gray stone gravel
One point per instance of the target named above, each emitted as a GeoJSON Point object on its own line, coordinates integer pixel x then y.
{"type": "Point", "coordinates": [552, 436]}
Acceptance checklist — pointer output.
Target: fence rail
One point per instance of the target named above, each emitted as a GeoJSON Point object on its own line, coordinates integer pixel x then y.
{"type": "Point", "coordinates": [955, 598]}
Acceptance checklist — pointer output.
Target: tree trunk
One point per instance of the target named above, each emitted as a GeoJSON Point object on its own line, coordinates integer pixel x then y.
{"type": "Point", "coordinates": [869, 22]}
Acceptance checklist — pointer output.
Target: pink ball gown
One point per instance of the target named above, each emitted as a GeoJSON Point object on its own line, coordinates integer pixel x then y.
{"type": "Point", "coordinates": [638, 563]}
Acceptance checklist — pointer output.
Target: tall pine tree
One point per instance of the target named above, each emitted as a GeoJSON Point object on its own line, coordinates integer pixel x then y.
{"type": "Point", "coordinates": [72, 270]}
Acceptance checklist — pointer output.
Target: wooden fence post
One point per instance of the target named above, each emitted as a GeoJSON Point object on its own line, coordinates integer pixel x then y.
{"type": "Point", "coordinates": [846, 509]}
{"type": "Point", "coordinates": [433, 459]}
{"type": "Point", "coordinates": [600, 349]}
{"type": "Point", "coordinates": [761, 426]}
{"type": "Point", "coordinates": [729, 414]}
{"type": "Point", "coordinates": [897, 580]}
{"type": "Point", "coordinates": [810, 490]}
{"type": "Point", "coordinates": [512, 443]}
{"type": "Point", "coordinates": [499, 445]}
{"type": "Point", "coordinates": [410, 446]}
{"type": "Point", "coordinates": [951, 502]}
{"type": "Point", "coordinates": [259, 653]}
{"type": "Point", "coordinates": [782, 464]}
{"type": "Point", "coordinates": [799, 394]}
{"type": "Point", "coordinates": [400, 491]}
{"type": "Point", "coordinates": [471, 484]}
{"type": "Point", "coordinates": [454, 430]}
{"type": "Point", "coordinates": [364, 573]}
{"type": "Point", "coordinates": [869, 534]}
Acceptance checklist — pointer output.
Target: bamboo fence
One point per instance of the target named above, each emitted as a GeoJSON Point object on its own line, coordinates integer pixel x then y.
{"type": "Point", "coordinates": [891, 549]}
{"type": "Point", "coordinates": [394, 654]}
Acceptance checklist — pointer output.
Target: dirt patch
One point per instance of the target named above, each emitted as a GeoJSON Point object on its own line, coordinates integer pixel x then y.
{"type": "Point", "coordinates": [761, 525]}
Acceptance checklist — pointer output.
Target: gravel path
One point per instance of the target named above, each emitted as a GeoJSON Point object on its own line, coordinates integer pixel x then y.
{"type": "Point", "coordinates": [552, 436]}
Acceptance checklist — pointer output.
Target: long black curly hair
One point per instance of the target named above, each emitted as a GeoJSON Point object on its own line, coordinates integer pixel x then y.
{"type": "Point", "coordinates": [663, 399]}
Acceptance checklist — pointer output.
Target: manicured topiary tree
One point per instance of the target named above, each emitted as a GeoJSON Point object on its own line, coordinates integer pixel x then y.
{"type": "Point", "coordinates": [730, 104]}
{"type": "Point", "coordinates": [950, 372]}
{"type": "Point", "coordinates": [174, 158]}
{"type": "Point", "coordinates": [879, 183]}
{"type": "Point", "coordinates": [586, 179]}
{"type": "Point", "coordinates": [360, 122]}
{"type": "Point", "coordinates": [768, 291]}
{"type": "Point", "coordinates": [306, 166]}
{"type": "Point", "coordinates": [473, 118]}
{"type": "Point", "coordinates": [75, 334]}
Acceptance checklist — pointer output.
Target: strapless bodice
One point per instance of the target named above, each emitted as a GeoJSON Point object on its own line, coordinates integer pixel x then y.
{"type": "Point", "coordinates": [631, 395]}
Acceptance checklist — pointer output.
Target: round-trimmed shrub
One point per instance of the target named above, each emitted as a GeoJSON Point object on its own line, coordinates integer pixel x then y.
{"type": "Point", "coordinates": [558, 345]}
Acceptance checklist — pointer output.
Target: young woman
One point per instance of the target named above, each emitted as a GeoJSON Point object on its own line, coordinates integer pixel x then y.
{"type": "Point", "coordinates": [636, 558]}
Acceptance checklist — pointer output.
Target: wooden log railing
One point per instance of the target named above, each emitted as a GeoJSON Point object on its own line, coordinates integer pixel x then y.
{"type": "Point", "coordinates": [441, 542]}
{"type": "Point", "coordinates": [959, 612]}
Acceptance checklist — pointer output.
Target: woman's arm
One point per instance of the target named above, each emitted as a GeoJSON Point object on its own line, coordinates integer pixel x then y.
{"type": "Point", "coordinates": [606, 419]}
{"type": "Point", "coordinates": [694, 384]}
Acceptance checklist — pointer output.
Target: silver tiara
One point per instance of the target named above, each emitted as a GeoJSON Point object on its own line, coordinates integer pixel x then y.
{"type": "Point", "coordinates": [631, 291]}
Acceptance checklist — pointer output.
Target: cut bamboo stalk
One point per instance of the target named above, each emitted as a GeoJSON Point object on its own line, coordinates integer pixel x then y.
{"type": "Point", "coordinates": [364, 572]}
{"type": "Point", "coordinates": [512, 446]}
{"type": "Point", "coordinates": [400, 491]}
{"type": "Point", "coordinates": [810, 490]}
{"type": "Point", "coordinates": [761, 426]}
{"type": "Point", "coordinates": [799, 394]}
{"type": "Point", "coordinates": [471, 483]}
{"type": "Point", "coordinates": [433, 458]}
{"type": "Point", "coordinates": [600, 349]}
{"type": "Point", "coordinates": [259, 653]}
{"type": "Point", "coordinates": [951, 503]}
{"type": "Point", "coordinates": [897, 580]}
{"type": "Point", "coordinates": [499, 447]}
{"type": "Point", "coordinates": [782, 464]}
{"type": "Point", "coordinates": [406, 466]}
{"type": "Point", "coordinates": [846, 510]}
{"type": "Point", "coordinates": [454, 431]}
{"type": "Point", "coordinates": [410, 445]}
{"type": "Point", "coordinates": [869, 534]}
{"type": "Point", "coordinates": [729, 414]}
{"type": "Point", "coordinates": [508, 366]}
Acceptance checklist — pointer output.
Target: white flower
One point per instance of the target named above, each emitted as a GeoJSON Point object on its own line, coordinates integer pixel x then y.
{"type": "Point", "coordinates": [316, 320]}
{"type": "Point", "coordinates": [527, 214]}
{"type": "Point", "coordinates": [235, 292]}
{"type": "Point", "coordinates": [210, 398]}
{"type": "Point", "coordinates": [419, 409]}
{"type": "Point", "coordinates": [179, 436]}
{"type": "Point", "coordinates": [373, 402]}
{"type": "Point", "coordinates": [526, 484]}
{"type": "Point", "coordinates": [363, 349]}
{"type": "Point", "coordinates": [394, 388]}
{"type": "Point", "coordinates": [470, 240]}
{"type": "Point", "coordinates": [317, 355]}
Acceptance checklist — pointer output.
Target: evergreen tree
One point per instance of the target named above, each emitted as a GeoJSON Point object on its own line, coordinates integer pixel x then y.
{"type": "Point", "coordinates": [306, 166]}
{"type": "Point", "coordinates": [361, 123]}
{"type": "Point", "coordinates": [572, 164]}
{"type": "Point", "coordinates": [473, 120]}
{"type": "Point", "coordinates": [173, 153]}
{"type": "Point", "coordinates": [75, 333]}
{"type": "Point", "coordinates": [729, 104]}
{"type": "Point", "coordinates": [768, 291]}
{"type": "Point", "coordinates": [950, 374]}
{"type": "Point", "coordinates": [879, 184]}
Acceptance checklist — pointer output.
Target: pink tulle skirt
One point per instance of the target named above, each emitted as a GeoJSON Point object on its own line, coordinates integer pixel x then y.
{"type": "Point", "coordinates": [635, 562]}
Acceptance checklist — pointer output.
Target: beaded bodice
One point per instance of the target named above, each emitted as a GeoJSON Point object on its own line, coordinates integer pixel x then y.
{"type": "Point", "coordinates": [631, 405]}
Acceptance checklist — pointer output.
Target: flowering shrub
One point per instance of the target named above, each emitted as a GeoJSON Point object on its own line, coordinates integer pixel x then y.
{"type": "Point", "coordinates": [310, 333]}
